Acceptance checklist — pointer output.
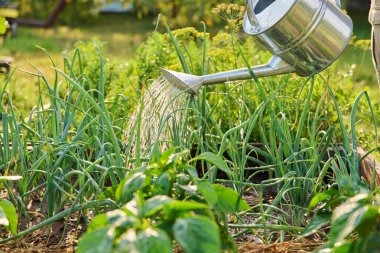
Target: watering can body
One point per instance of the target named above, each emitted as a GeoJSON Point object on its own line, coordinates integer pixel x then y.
{"type": "Point", "coordinates": [304, 36]}
{"type": "Point", "coordinates": [307, 34]}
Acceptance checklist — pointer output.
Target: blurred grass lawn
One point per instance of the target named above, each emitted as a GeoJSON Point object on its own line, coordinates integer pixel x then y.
{"type": "Point", "coordinates": [123, 35]}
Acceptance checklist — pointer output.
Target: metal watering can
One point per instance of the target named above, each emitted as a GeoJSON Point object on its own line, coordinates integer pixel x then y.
{"type": "Point", "coordinates": [304, 36]}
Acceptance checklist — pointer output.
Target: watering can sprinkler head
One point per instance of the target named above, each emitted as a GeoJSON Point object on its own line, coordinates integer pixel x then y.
{"type": "Point", "coordinates": [182, 81]}
{"type": "Point", "coordinates": [304, 36]}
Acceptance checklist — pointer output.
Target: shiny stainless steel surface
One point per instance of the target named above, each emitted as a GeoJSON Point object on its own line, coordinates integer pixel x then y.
{"type": "Point", "coordinates": [191, 83]}
{"type": "Point", "coordinates": [308, 34]}
{"type": "Point", "coordinates": [305, 37]}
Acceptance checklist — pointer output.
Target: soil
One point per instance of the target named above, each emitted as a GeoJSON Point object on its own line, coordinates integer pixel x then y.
{"type": "Point", "coordinates": [247, 247]}
{"type": "Point", "coordinates": [58, 237]}
{"type": "Point", "coordinates": [287, 247]}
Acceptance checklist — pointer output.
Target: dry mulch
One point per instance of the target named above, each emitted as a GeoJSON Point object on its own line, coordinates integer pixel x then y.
{"type": "Point", "coordinates": [22, 245]}
{"type": "Point", "coordinates": [52, 239]}
{"type": "Point", "coordinates": [58, 237]}
{"type": "Point", "coordinates": [286, 247]}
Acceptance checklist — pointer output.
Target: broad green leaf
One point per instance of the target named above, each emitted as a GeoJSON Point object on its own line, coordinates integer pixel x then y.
{"type": "Point", "coordinates": [214, 159]}
{"type": "Point", "coordinates": [155, 204]}
{"type": "Point", "coordinates": [347, 218]}
{"type": "Point", "coordinates": [11, 214]}
{"type": "Point", "coordinates": [345, 209]}
{"type": "Point", "coordinates": [162, 162]}
{"type": "Point", "coordinates": [317, 199]}
{"type": "Point", "coordinates": [98, 222]}
{"type": "Point", "coordinates": [229, 200]}
{"type": "Point", "coordinates": [197, 235]}
{"type": "Point", "coordinates": [162, 185]}
{"type": "Point", "coordinates": [193, 173]}
{"type": "Point", "coordinates": [126, 242]}
{"type": "Point", "coordinates": [148, 241]}
{"type": "Point", "coordinates": [109, 193]}
{"type": "Point", "coordinates": [97, 241]}
{"type": "Point", "coordinates": [206, 189]}
{"type": "Point", "coordinates": [10, 178]}
{"type": "Point", "coordinates": [3, 25]}
{"type": "Point", "coordinates": [133, 208]}
{"type": "Point", "coordinates": [339, 221]}
{"type": "Point", "coordinates": [353, 220]}
{"type": "Point", "coordinates": [189, 188]}
{"type": "Point", "coordinates": [116, 218]}
{"type": "Point", "coordinates": [168, 156]}
{"type": "Point", "coordinates": [3, 218]}
{"type": "Point", "coordinates": [347, 247]}
{"type": "Point", "coordinates": [319, 220]}
{"type": "Point", "coordinates": [154, 241]}
{"type": "Point", "coordinates": [368, 221]}
{"type": "Point", "coordinates": [125, 191]}
{"type": "Point", "coordinates": [177, 206]}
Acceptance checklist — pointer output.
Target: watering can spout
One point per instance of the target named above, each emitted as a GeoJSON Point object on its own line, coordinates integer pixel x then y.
{"type": "Point", "coordinates": [305, 37]}
{"type": "Point", "coordinates": [192, 83]}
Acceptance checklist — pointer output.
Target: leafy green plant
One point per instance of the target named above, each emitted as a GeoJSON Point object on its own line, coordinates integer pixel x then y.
{"type": "Point", "coordinates": [8, 214]}
{"type": "Point", "coordinates": [166, 201]}
{"type": "Point", "coordinates": [354, 215]}
{"type": "Point", "coordinates": [349, 204]}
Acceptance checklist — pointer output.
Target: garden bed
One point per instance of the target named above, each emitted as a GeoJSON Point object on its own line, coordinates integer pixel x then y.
{"type": "Point", "coordinates": [63, 236]}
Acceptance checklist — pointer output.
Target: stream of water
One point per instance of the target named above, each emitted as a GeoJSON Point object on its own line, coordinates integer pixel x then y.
{"type": "Point", "coordinates": [161, 109]}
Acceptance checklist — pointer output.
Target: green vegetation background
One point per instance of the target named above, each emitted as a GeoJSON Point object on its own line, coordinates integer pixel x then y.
{"type": "Point", "coordinates": [133, 52]}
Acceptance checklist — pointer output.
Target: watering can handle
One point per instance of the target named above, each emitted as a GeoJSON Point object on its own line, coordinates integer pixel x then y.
{"type": "Point", "coordinates": [251, 5]}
